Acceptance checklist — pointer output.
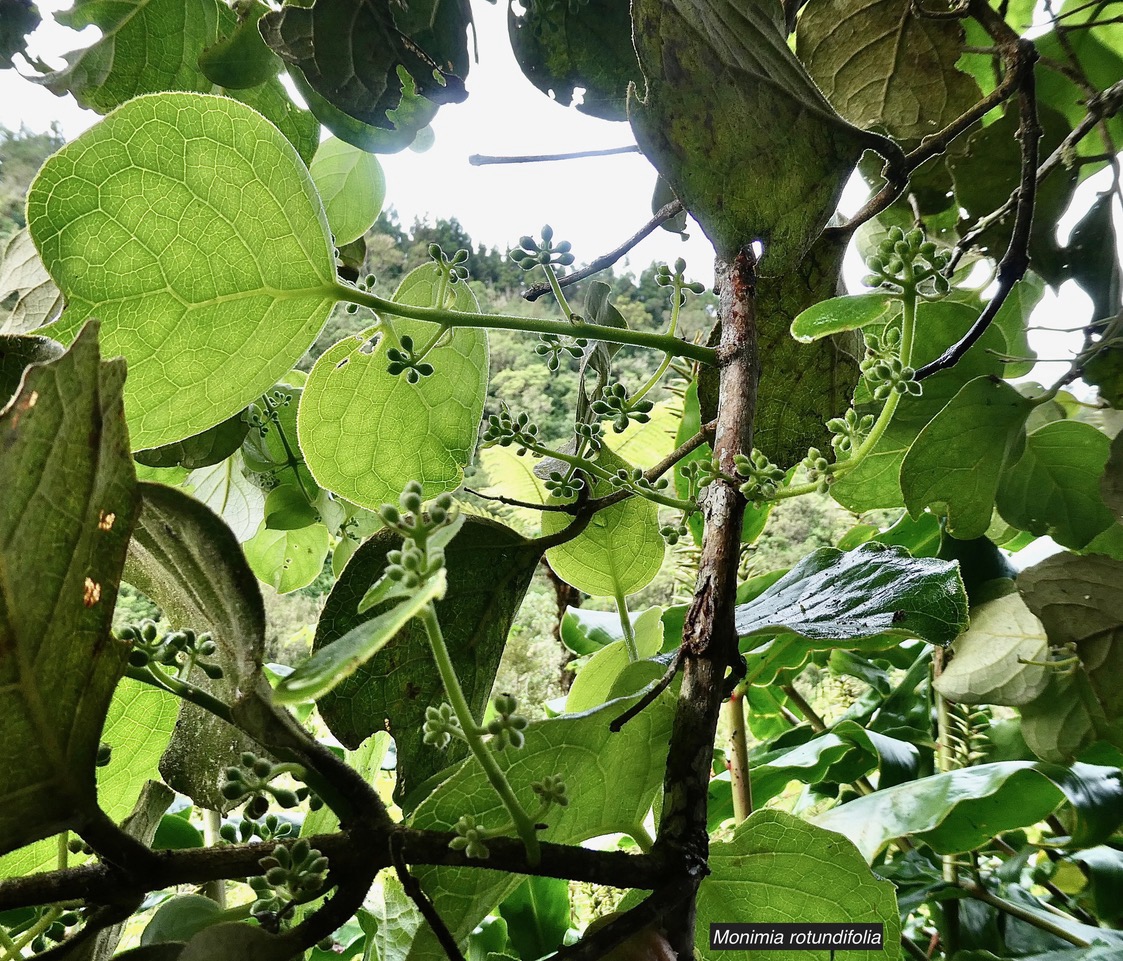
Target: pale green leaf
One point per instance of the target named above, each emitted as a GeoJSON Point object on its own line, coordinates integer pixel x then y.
{"type": "Point", "coordinates": [843, 313]}
{"type": "Point", "coordinates": [619, 552]}
{"type": "Point", "coordinates": [335, 662]}
{"type": "Point", "coordinates": [22, 274]}
{"type": "Point", "coordinates": [1054, 489]}
{"type": "Point", "coordinates": [594, 682]}
{"type": "Point", "coordinates": [959, 810]}
{"type": "Point", "coordinates": [777, 868]}
{"type": "Point", "coordinates": [226, 490]}
{"type": "Point", "coordinates": [352, 187]}
{"type": "Point", "coordinates": [288, 560]}
{"type": "Point", "coordinates": [956, 462]}
{"type": "Point", "coordinates": [118, 214]}
{"type": "Point", "coordinates": [875, 483]}
{"type": "Point", "coordinates": [366, 433]}
{"type": "Point", "coordinates": [612, 779]}
{"type": "Point", "coordinates": [988, 660]}
{"type": "Point", "coordinates": [883, 64]}
{"type": "Point", "coordinates": [68, 508]}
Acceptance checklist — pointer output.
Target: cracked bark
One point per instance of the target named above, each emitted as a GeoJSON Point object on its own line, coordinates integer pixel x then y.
{"type": "Point", "coordinates": [709, 635]}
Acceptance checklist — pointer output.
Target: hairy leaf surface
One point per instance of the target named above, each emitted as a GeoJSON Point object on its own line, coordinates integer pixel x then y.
{"type": "Point", "coordinates": [68, 507]}
{"type": "Point", "coordinates": [351, 185]}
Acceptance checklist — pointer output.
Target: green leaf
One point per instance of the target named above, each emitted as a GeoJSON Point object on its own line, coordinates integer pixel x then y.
{"type": "Point", "coordinates": [1090, 260]}
{"type": "Point", "coordinates": [1111, 484]}
{"type": "Point", "coordinates": [366, 433]}
{"type": "Point", "coordinates": [335, 662]}
{"type": "Point", "coordinates": [68, 508]}
{"type": "Point", "coordinates": [138, 725]}
{"type": "Point", "coordinates": [350, 53]}
{"type": "Point", "coordinates": [180, 918]}
{"type": "Point", "coordinates": [241, 59]}
{"type": "Point", "coordinates": [960, 810]}
{"type": "Point", "coordinates": [288, 560]}
{"type": "Point", "coordinates": [155, 176]}
{"type": "Point", "coordinates": [762, 875]}
{"type": "Point", "coordinates": [762, 113]}
{"type": "Point", "coordinates": [619, 552]}
{"type": "Point", "coordinates": [840, 314]}
{"type": "Point", "coordinates": [19, 18]}
{"type": "Point", "coordinates": [210, 447]}
{"type": "Point", "coordinates": [1054, 488]}
{"type": "Point", "coordinates": [537, 916]}
{"type": "Point", "coordinates": [875, 483]}
{"type": "Point", "coordinates": [594, 683]}
{"type": "Point", "coordinates": [883, 64]}
{"type": "Point", "coordinates": [988, 661]}
{"type": "Point", "coordinates": [1079, 602]}
{"type": "Point", "coordinates": [185, 559]}
{"type": "Point", "coordinates": [352, 187]}
{"type": "Point", "coordinates": [561, 48]}
{"type": "Point", "coordinates": [227, 491]}
{"type": "Point", "coordinates": [154, 46]}
{"type": "Point", "coordinates": [872, 590]}
{"type": "Point", "coordinates": [23, 275]}
{"type": "Point", "coordinates": [586, 632]}
{"type": "Point", "coordinates": [612, 779]}
{"type": "Point", "coordinates": [956, 462]}
{"type": "Point", "coordinates": [17, 352]}
{"type": "Point", "coordinates": [393, 689]}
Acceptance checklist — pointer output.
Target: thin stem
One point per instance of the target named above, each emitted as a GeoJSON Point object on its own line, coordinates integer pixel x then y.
{"type": "Point", "coordinates": [980, 893]}
{"type": "Point", "coordinates": [11, 952]}
{"type": "Point", "coordinates": [456, 318]}
{"type": "Point", "coordinates": [626, 626]}
{"type": "Point", "coordinates": [644, 841]}
{"type": "Point", "coordinates": [671, 328]}
{"type": "Point", "coordinates": [808, 712]}
{"type": "Point", "coordinates": [157, 678]}
{"type": "Point", "coordinates": [524, 825]}
{"type": "Point", "coordinates": [212, 824]}
{"type": "Point", "coordinates": [552, 278]}
{"type": "Point", "coordinates": [63, 856]}
{"type": "Point", "coordinates": [739, 758]}
{"type": "Point", "coordinates": [945, 761]}
{"type": "Point", "coordinates": [485, 160]}
{"type": "Point", "coordinates": [50, 916]}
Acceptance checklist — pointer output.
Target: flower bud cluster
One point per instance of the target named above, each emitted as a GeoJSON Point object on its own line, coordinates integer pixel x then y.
{"type": "Point", "coordinates": [531, 253]}
{"type": "Point", "coordinates": [849, 431]}
{"type": "Point", "coordinates": [406, 360]}
{"type": "Point", "coordinates": [417, 560]}
{"type": "Point", "coordinates": [182, 650]}
{"type": "Point", "coordinates": [615, 405]}
{"type": "Point", "coordinates": [454, 267]}
{"type": "Point", "coordinates": [907, 262]}
{"type": "Point", "coordinates": [553, 348]}
{"type": "Point", "coordinates": [763, 479]}
{"type": "Point", "coordinates": [504, 429]}
{"type": "Point", "coordinates": [507, 727]}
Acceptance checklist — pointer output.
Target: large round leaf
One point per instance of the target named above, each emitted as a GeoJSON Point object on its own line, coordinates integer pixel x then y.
{"type": "Point", "coordinates": [190, 227]}
{"type": "Point", "coordinates": [365, 432]}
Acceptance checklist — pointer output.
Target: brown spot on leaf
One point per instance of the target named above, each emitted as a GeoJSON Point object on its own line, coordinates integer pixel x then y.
{"type": "Point", "coordinates": [91, 593]}
{"type": "Point", "coordinates": [105, 521]}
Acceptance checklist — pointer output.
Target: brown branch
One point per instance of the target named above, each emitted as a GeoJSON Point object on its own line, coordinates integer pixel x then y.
{"type": "Point", "coordinates": [484, 160]}
{"type": "Point", "coordinates": [102, 883]}
{"type": "Point", "coordinates": [1013, 265]}
{"type": "Point", "coordinates": [662, 215]}
{"type": "Point", "coordinates": [709, 636]}
{"type": "Point", "coordinates": [808, 712]}
{"type": "Point", "coordinates": [412, 888]}
{"type": "Point", "coordinates": [649, 696]}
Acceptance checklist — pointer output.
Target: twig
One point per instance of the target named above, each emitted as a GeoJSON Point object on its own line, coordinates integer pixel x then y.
{"type": "Point", "coordinates": [100, 882]}
{"type": "Point", "coordinates": [528, 505]}
{"type": "Point", "coordinates": [665, 213]}
{"type": "Point", "coordinates": [739, 763]}
{"type": "Point", "coordinates": [808, 712]}
{"type": "Point", "coordinates": [649, 697]}
{"type": "Point", "coordinates": [913, 948]}
{"type": "Point", "coordinates": [980, 893]}
{"type": "Point", "coordinates": [1013, 265]}
{"type": "Point", "coordinates": [484, 160]}
{"type": "Point", "coordinates": [428, 910]}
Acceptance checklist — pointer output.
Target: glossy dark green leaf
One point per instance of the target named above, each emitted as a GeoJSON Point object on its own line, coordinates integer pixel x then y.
{"type": "Point", "coordinates": [68, 507]}
{"type": "Point", "coordinates": [561, 47]}
{"type": "Point", "coordinates": [1111, 484]}
{"type": "Point", "coordinates": [762, 112]}
{"type": "Point", "coordinates": [853, 51]}
{"type": "Point", "coordinates": [959, 810]}
{"type": "Point", "coordinates": [1091, 260]}
{"type": "Point", "coordinates": [1105, 372]}
{"type": "Point", "coordinates": [350, 53]}
{"type": "Point", "coordinates": [872, 590]}
{"type": "Point", "coordinates": [1054, 488]}
{"type": "Point", "coordinates": [17, 352]}
{"type": "Point", "coordinates": [210, 447]}
{"type": "Point", "coordinates": [190, 564]}
{"type": "Point", "coordinates": [400, 682]}
{"type": "Point", "coordinates": [956, 462]}
{"type": "Point", "coordinates": [537, 916]}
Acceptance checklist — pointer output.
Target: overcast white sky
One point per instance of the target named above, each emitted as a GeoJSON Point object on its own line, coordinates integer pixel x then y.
{"type": "Point", "coordinates": [594, 203]}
